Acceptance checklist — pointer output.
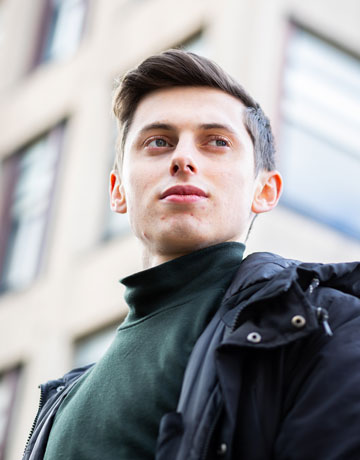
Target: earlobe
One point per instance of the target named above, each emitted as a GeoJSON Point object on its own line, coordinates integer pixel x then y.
{"type": "Point", "coordinates": [117, 194]}
{"type": "Point", "coordinates": [267, 192]}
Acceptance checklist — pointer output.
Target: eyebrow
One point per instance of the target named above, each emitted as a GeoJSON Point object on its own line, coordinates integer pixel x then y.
{"type": "Point", "coordinates": [152, 126]}
{"type": "Point", "coordinates": [170, 127]}
{"type": "Point", "coordinates": [217, 126]}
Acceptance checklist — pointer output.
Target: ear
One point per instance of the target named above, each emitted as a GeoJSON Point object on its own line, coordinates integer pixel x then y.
{"type": "Point", "coordinates": [267, 192]}
{"type": "Point", "coordinates": [117, 193]}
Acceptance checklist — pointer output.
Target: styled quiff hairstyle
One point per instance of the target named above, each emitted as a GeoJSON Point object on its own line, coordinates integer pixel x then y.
{"type": "Point", "coordinates": [174, 68]}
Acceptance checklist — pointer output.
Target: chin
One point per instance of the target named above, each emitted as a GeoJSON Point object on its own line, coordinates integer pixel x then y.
{"type": "Point", "coordinates": [183, 236]}
{"type": "Point", "coordinates": [181, 240]}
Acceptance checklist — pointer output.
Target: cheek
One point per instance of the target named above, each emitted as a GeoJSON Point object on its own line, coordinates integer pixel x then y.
{"type": "Point", "coordinates": [136, 186]}
{"type": "Point", "coordinates": [236, 192]}
{"type": "Point", "coordinates": [140, 194]}
{"type": "Point", "coordinates": [232, 183]}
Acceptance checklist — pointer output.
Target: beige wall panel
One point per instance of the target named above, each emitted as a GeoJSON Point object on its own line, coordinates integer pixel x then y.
{"type": "Point", "coordinates": [295, 236]}
{"type": "Point", "coordinates": [20, 34]}
{"type": "Point", "coordinates": [148, 28]}
{"type": "Point", "coordinates": [335, 20]}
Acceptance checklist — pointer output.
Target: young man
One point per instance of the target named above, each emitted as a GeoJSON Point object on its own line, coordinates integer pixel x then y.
{"type": "Point", "coordinates": [218, 357]}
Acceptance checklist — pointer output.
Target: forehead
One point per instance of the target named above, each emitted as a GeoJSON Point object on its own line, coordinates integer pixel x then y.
{"type": "Point", "coordinates": [188, 106]}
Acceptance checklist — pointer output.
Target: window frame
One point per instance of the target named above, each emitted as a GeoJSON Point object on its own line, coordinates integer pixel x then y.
{"type": "Point", "coordinates": [11, 173]}
{"type": "Point", "coordinates": [14, 376]}
{"type": "Point", "coordinates": [283, 119]}
{"type": "Point", "coordinates": [46, 29]}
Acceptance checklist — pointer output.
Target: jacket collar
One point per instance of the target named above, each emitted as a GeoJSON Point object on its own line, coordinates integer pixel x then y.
{"type": "Point", "coordinates": [255, 268]}
{"type": "Point", "coordinates": [265, 281]}
{"type": "Point", "coordinates": [259, 267]}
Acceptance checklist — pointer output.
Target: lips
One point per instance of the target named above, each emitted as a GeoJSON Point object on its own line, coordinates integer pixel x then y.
{"type": "Point", "coordinates": [183, 191]}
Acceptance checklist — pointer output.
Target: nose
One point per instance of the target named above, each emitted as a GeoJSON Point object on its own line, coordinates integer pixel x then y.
{"type": "Point", "coordinates": [183, 160]}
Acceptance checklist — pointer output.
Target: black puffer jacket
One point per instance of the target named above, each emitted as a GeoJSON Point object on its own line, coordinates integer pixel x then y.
{"type": "Point", "coordinates": [275, 375]}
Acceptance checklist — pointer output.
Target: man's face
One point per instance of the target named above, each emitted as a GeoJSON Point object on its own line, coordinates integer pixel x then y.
{"type": "Point", "coordinates": [188, 176]}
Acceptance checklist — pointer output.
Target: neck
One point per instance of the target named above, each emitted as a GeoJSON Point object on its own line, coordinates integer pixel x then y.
{"type": "Point", "coordinates": [152, 259]}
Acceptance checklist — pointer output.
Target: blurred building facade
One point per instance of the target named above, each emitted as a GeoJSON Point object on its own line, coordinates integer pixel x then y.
{"type": "Point", "coordinates": [61, 250]}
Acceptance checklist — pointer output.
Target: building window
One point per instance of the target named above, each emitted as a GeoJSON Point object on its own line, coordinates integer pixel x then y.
{"type": "Point", "coordinates": [62, 29]}
{"type": "Point", "coordinates": [90, 349]}
{"type": "Point", "coordinates": [28, 186]}
{"type": "Point", "coordinates": [320, 142]}
{"type": "Point", "coordinates": [8, 386]}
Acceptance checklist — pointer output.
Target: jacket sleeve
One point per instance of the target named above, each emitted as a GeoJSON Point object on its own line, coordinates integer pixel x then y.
{"type": "Point", "coordinates": [322, 415]}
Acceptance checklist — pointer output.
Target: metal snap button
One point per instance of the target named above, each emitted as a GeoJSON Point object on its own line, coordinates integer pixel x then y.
{"type": "Point", "coordinates": [222, 449]}
{"type": "Point", "coordinates": [60, 388]}
{"type": "Point", "coordinates": [298, 321]}
{"type": "Point", "coordinates": [254, 337]}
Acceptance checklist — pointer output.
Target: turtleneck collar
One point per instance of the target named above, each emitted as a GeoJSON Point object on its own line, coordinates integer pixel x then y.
{"type": "Point", "coordinates": [179, 280]}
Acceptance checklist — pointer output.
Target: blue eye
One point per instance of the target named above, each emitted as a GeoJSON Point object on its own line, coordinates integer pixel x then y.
{"type": "Point", "coordinates": [219, 143]}
{"type": "Point", "coordinates": [159, 142]}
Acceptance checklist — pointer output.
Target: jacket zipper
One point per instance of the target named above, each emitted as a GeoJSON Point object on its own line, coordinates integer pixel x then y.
{"type": "Point", "coordinates": [236, 319]}
{"type": "Point", "coordinates": [321, 313]}
{"type": "Point", "coordinates": [41, 402]}
{"type": "Point", "coordinates": [323, 317]}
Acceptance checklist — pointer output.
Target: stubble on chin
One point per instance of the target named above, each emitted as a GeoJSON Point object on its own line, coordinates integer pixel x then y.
{"type": "Point", "coordinates": [171, 242]}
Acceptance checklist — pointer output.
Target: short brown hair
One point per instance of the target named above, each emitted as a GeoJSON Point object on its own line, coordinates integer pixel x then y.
{"type": "Point", "coordinates": [175, 68]}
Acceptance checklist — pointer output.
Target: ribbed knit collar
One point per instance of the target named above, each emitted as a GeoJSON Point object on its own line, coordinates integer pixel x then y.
{"type": "Point", "coordinates": [181, 279]}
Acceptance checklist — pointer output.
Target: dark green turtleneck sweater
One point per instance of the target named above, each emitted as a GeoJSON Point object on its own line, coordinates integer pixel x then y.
{"type": "Point", "coordinates": [115, 409]}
